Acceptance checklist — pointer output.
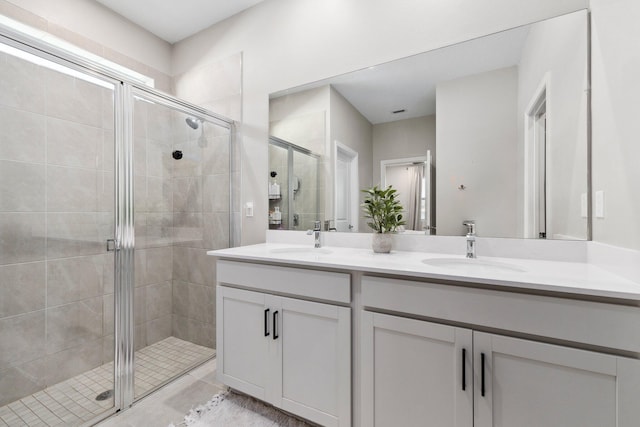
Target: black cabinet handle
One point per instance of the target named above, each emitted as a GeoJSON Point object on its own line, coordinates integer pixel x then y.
{"type": "Point", "coordinates": [464, 369]}
{"type": "Point", "coordinates": [275, 325]}
{"type": "Point", "coordinates": [482, 374]}
{"type": "Point", "coordinates": [266, 322]}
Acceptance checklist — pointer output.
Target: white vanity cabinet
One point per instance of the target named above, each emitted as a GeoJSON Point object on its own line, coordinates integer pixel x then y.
{"type": "Point", "coordinates": [417, 372]}
{"type": "Point", "coordinates": [290, 352]}
{"type": "Point", "coordinates": [532, 384]}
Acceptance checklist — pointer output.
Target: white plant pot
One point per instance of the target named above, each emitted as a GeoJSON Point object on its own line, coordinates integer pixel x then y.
{"type": "Point", "coordinates": [382, 243]}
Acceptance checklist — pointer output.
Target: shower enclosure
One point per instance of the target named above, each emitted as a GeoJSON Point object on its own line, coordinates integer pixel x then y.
{"type": "Point", "coordinates": [110, 195]}
{"type": "Point", "coordinates": [298, 173]}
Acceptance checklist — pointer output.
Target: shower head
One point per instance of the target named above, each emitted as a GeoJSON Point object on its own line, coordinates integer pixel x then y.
{"type": "Point", "coordinates": [192, 122]}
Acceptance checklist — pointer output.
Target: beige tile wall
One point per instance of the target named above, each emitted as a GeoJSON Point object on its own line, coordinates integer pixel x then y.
{"type": "Point", "coordinates": [201, 196]}
{"type": "Point", "coordinates": [306, 201]}
{"type": "Point", "coordinates": [56, 204]}
{"type": "Point", "coordinates": [201, 223]}
{"type": "Point", "coordinates": [182, 210]}
{"type": "Point", "coordinates": [153, 222]}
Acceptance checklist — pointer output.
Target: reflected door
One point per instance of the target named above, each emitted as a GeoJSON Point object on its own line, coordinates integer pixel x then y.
{"type": "Point", "coordinates": [346, 189]}
{"type": "Point", "coordinates": [541, 166]}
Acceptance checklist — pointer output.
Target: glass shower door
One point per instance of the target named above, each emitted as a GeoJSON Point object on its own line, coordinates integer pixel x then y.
{"type": "Point", "coordinates": [56, 213]}
{"type": "Point", "coordinates": [304, 192]}
{"type": "Point", "coordinates": [181, 161]}
{"type": "Point", "coordinates": [298, 173]}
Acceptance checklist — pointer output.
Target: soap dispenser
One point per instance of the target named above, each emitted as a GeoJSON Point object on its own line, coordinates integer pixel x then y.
{"type": "Point", "coordinates": [274, 187]}
{"type": "Point", "coordinates": [277, 215]}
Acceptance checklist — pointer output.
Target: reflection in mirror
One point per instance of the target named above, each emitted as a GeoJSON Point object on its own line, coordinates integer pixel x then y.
{"type": "Point", "coordinates": [503, 118]}
{"type": "Point", "coordinates": [412, 177]}
{"type": "Point", "coordinates": [293, 187]}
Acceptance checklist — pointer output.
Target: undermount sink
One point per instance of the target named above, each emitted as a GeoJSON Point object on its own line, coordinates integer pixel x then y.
{"type": "Point", "coordinates": [300, 250]}
{"type": "Point", "coordinates": [471, 265]}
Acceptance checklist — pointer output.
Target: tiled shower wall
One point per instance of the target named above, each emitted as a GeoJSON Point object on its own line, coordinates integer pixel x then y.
{"type": "Point", "coordinates": [153, 204]}
{"type": "Point", "coordinates": [181, 211]}
{"type": "Point", "coordinates": [56, 212]}
{"type": "Point", "coordinates": [201, 222]}
{"type": "Point", "coordinates": [305, 203]}
{"type": "Point", "coordinates": [56, 201]}
{"type": "Point", "coordinates": [305, 200]}
{"type": "Point", "coordinates": [202, 192]}
{"type": "Point", "coordinates": [279, 163]}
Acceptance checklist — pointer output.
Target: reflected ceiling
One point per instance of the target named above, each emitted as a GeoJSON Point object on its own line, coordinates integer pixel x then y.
{"type": "Point", "coordinates": [410, 84]}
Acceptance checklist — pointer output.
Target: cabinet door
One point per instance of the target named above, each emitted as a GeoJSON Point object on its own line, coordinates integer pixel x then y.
{"type": "Point", "coordinates": [415, 373]}
{"type": "Point", "coordinates": [242, 323]}
{"type": "Point", "coordinates": [530, 384]}
{"type": "Point", "coordinates": [313, 361]}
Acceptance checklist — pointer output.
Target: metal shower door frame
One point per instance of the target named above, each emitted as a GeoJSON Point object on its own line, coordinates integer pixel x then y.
{"type": "Point", "coordinates": [124, 237]}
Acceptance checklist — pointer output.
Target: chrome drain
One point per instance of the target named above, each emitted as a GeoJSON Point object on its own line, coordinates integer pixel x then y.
{"type": "Point", "coordinates": [104, 395]}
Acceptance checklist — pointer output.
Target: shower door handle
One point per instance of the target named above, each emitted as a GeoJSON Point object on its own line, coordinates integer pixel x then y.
{"type": "Point", "coordinates": [112, 245]}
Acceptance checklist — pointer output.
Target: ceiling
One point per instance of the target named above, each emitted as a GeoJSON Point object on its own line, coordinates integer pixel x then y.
{"type": "Point", "coordinates": [173, 20]}
{"type": "Point", "coordinates": [410, 83]}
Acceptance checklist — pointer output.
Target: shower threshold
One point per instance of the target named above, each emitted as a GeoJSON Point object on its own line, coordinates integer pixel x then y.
{"type": "Point", "coordinates": [73, 402]}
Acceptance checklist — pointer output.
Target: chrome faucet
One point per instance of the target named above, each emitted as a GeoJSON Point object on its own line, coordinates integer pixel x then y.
{"type": "Point", "coordinates": [471, 238]}
{"type": "Point", "coordinates": [316, 233]}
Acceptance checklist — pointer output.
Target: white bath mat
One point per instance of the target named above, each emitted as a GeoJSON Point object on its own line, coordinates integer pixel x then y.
{"type": "Point", "coordinates": [230, 409]}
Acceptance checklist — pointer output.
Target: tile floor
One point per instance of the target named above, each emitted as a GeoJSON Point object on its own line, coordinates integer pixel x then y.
{"type": "Point", "coordinates": [72, 402]}
{"type": "Point", "coordinates": [172, 402]}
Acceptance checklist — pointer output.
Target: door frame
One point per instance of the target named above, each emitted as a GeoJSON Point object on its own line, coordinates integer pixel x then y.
{"type": "Point", "coordinates": [540, 97]}
{"type": "Point", "coordinates": [428, 217]}
{"type": "Point", "coordinates": [342, 150]}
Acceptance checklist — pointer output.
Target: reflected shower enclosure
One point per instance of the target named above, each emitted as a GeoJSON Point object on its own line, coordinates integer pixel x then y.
{"type": "Point", "coordinates": [298, 176]}
{"type": "Point", "coordinates": [106, 292]}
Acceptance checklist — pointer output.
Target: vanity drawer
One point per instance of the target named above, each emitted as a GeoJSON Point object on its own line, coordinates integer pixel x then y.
{"type": "Point", "coordinates": [315, 284]}
{"type": "Point", "coordinates": [595, 323]}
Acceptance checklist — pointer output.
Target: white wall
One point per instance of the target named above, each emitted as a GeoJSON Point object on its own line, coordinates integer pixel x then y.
{"type": "Point", "coordinates": [286, 43]}
{"type": "Point", "coordinates": [215, 85]}
{"type": "Point", "coordinates": [91, 26]}
{"type": "Point", "coordinates": [476, 140]}
{"type": "Point", "coordinates": [558, 49]}
{"type": "Point", "coordinates": [352, 129]}
{"type": "Point", "coordinates": [403, 138]}
{"type": "Point", "coordinates": [616, 119]}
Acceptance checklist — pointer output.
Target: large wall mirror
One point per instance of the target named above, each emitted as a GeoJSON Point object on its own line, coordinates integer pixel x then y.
{"type": "Point", "coordinates": [493, 130]}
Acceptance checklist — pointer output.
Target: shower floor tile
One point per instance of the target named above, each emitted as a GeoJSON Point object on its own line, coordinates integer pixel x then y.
{"type": "Point", "coordinates": [73, 402]}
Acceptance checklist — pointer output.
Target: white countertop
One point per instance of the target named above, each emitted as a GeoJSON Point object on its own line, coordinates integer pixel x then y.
{"type": "Point", "coordinates": [554, 276]}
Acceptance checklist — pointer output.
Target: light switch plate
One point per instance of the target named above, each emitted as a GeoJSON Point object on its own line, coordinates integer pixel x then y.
{"type": "Point", "coordinates": [249, 209]}
{"type": "Point", "coordinates": [600, 204]}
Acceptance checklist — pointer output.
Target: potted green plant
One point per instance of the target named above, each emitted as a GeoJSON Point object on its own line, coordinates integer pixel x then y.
{"type": "Point", "coordinates": [384, 213]}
